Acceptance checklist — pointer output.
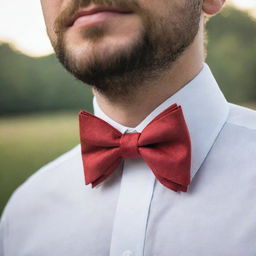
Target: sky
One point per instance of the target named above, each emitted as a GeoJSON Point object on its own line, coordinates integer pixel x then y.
{"type": "Point", "coordinates": [22, 25]}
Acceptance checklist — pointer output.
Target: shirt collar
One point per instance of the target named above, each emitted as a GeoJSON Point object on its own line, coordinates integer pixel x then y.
{"type": "Point", "coordinates": [205, 110]}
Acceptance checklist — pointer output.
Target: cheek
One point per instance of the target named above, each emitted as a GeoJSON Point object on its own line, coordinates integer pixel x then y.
{"type": "Point", "coordinates": [162, 8]}
{"type": "Point", "coordinates": [158, 7]}
{"type": "Point", "coordinates": [51, 10]}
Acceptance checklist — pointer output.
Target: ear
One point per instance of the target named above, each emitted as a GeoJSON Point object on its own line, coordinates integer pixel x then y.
{"type": "Point", "coordinates": [212, 7]}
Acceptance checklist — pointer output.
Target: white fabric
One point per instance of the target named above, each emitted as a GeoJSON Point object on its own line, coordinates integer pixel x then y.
{"type": "Point", "coordinates": [131, 213]}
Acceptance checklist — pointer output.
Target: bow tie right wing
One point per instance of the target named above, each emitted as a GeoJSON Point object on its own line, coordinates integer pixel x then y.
{"type": "Point", "coordinates": [166, 147]}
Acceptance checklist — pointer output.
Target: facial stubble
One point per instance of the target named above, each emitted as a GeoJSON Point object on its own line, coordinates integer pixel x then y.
{"type": "Point", "coordinates": [160, 43]}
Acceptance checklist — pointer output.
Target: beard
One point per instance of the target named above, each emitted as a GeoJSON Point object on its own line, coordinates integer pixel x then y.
{"type": "Point", "coordinates": [158, 45]}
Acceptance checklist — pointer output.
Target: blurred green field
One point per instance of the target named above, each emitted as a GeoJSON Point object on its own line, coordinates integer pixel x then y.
{"type": "Point", "coordinates": [28, 142]}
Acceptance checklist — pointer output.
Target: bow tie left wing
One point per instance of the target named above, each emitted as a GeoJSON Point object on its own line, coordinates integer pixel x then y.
{"type": "Point", "coordinates": [100, 148]}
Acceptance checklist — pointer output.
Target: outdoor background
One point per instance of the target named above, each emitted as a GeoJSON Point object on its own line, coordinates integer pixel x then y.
{"type": "Point", "coordinates": [39, 101]}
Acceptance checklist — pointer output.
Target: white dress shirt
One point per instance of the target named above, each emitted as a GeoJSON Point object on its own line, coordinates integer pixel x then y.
{"type": "Point", "coordinates": [132, 214]}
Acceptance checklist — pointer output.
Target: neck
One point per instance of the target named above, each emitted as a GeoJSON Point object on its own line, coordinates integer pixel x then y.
{"type": "Point", "coordinates": [145, 101]}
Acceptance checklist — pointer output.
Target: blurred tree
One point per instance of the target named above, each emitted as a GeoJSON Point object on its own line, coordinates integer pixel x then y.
{"type": "Point", "coordinates": [38, 84]}
{"type": "Point", "coordinates": [232, 54]}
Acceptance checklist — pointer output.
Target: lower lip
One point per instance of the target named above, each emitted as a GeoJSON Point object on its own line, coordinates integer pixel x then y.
{"type": "Point", "coordinates": [89, 20]}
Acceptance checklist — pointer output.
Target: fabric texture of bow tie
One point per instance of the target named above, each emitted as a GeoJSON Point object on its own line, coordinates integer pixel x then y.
{"type": "Point", "coordinates": [164, 144]}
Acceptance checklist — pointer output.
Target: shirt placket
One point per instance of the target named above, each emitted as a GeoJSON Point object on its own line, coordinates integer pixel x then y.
{"type": "Point", "coordinates": [132, 211]}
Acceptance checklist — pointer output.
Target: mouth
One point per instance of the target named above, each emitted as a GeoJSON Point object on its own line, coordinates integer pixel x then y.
{"type": "Point", "coordinates": [96, 13]}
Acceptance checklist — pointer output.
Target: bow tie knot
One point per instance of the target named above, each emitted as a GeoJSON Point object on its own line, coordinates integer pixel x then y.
{"type": "Point", "coordinates": [129, 145]}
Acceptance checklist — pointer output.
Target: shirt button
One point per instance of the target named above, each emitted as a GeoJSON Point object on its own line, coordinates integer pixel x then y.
{"type": "Point", "coordinates": [127, 253]}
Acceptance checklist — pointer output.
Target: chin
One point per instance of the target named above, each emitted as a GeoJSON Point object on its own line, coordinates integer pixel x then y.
{"type": "Point", "coordinates": [84, 51]}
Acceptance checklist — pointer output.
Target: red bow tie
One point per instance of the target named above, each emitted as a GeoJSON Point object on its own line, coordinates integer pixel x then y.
{"type": "Point", "coordinates": [164, 144]}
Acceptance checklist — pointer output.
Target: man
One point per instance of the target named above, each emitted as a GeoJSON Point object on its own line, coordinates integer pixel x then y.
{"type": "Point", "coordinates": [170, 161]}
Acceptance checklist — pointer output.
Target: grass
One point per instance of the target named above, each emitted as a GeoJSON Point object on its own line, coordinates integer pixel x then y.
{"type": "Point", "coordinates": [28, 142]}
